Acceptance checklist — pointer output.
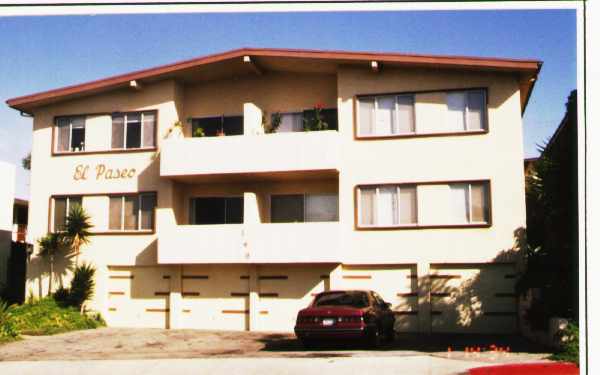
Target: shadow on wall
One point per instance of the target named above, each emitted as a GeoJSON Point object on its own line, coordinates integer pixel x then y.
{"type": "Point", "coordinates": [475, 298]}
{"type": "Point", "coordinates": [38, 272]}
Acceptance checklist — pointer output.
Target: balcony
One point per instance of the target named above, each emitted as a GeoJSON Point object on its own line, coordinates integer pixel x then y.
{"type": "Point", "coordinates": [235, 158]}
{"type": "Point", "coordinates": [316, 242]}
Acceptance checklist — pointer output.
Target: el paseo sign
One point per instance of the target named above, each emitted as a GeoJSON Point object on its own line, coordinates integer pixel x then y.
{"type": "Point", "coordinates": [102, 172]}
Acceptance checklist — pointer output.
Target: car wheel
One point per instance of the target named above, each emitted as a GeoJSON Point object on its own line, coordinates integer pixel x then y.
{"type": "Point", "coordinates": [390, 334]}
{"type": "Point", "coordinates": [375, 338]}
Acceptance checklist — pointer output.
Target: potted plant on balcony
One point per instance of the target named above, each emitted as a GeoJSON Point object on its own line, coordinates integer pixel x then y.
{"type": "Point", "coordinates": [313, 120]}
{"type": "Point", "coordinates": [275, 122]}
{"type": "Point", "coordinates": [198, 132]}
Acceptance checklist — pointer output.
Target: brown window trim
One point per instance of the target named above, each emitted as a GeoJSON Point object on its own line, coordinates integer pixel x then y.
{"type": "Point", "coordinates": [358, 137]}
{"type": "Point", "coordinates": [417, 226]}
{"type": "Point", "coordinates": [53, 151]}
{"type": "Point", "coordinates": [107, 232]}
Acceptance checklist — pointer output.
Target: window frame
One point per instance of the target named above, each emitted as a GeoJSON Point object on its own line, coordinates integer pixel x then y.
{"type": "Point", "coordinates": [93, 231]}
{"type": "Point", "coordinates": [52, 214]}
{"type": "Point", "coordinates": [304, 215]}
{"type": "Point", "coordinates": [358, 206]}
{"type": "Point", "coordinates": [486, 182]}
{"type": "Point", "coordinates": [108, 149]}
{"type": "Point", "coordinates": [376, 98]}
{"type": "Point", "coordinates": [125, 126]}
{"type": "Point", "coordinates": [139, 213]}
{"type": "Point", "coordinates": [56, 133]}
{"type": "Point", "coordinates": [190, 207]}
{"type": "Point", "coordinates": [416, 133]}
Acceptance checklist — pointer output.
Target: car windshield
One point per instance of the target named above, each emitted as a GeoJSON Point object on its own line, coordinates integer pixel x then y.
{"type": "Point", "coordinates": [352, 299]}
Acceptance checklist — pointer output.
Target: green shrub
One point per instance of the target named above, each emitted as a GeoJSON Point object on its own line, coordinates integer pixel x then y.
{"type": "Point", "coordinates": [8, 331]}
{"type": "Point", "coordinates": [46, 317]}
{"type": "Point", "coordinates": [569, 350]}
{"type": "Point", "coordinates": [82, 285]}
{"type": "Point", "coordinates": [62, 296]}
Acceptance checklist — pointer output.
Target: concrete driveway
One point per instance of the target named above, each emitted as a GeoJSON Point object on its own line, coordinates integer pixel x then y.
{"type": "Point", "coordinates": [121, 349]}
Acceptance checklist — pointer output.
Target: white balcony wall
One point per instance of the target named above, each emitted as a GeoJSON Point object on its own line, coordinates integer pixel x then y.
{"type": "Point", "coordinates": [251, 243]}
{"type": "Point", "coordinates": [285, 152]}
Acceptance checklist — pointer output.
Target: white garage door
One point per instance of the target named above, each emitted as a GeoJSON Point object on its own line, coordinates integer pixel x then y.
{"type": "Point", "coordinates": [284, 290]}
{"type": "Point", "coordinates": [137, 297]}
{"type": "Point", "coordinates": [473, 298]}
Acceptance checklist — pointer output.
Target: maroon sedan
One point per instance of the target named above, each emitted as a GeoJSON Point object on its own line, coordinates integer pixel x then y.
{"type": "Point", "coordinates": [352, 314]}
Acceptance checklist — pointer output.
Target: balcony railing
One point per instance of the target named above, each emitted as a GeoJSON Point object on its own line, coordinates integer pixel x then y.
{"type": "Point", "coordinates": [251, 154]}
{"type": "Point", "coordinates": [251, 243]}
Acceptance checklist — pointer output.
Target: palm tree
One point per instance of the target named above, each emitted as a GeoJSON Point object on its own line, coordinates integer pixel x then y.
{"type": "Point", "coordinates": [50, 245]}
{"type": "Point", "coordinates": [77, 229]}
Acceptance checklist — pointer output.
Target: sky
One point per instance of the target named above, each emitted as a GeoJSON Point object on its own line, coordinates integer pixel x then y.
{"type": "Point", "coordinates": [41, 53]}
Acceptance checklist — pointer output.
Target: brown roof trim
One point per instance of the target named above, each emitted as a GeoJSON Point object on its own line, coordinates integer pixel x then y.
{"type": "Point", "coordinates": [529, 67]}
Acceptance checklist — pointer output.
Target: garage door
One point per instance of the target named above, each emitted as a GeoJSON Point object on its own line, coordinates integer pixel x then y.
{"type": "Point", "coordinates": [137, 297]}
{"type": "Point", "coordinates": [215, 297]}
{"type": "Point", "coordinates": [284, 290]}
{"type": "Point", "coordinates": [473, 298]}
{"type": "Point", "coordinates": [397, 284]}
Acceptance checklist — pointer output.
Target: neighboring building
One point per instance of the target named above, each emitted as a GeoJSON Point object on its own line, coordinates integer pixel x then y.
{"type": "Point", "coordinates": [240, 231]}
{"type": "Point", "coordinates": [20, 218]}
{"type": "Point", "coordinates": [7, 196]}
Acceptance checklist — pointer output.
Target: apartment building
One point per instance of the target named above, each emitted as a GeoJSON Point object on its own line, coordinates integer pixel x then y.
{"type": "Point", "coordinates": [206, 218]}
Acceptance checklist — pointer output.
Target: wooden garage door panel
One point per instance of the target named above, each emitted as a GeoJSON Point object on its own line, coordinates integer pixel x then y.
{"type": "Point", "coordinates": [136, 297]}
{"type": "Point", "coordinates": [473, 298]}
{"type": "Point", "coordinates": [397, 284]}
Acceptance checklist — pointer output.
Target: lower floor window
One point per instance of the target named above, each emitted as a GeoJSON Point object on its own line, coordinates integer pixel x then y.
{"type": "Point", "coordinates": [62, 207]}
{"type": "Point", "coordinates": [217, 210]}
{"type": "Point", "coordinates": [132, 212]}
{"type": "Point", "coordinates": [291, 208]}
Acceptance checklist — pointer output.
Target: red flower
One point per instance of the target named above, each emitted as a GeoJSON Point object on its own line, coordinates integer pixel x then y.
{"type": "Point", "coordinates": [319, 105]}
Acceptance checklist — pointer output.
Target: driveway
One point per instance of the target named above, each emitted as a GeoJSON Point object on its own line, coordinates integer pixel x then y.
{"type": "Point", "coordinates": [205, 350]}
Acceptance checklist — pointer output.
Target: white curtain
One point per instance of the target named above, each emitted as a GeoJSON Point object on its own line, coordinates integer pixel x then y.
{"type": "Point", "coordinates": [290, 122]}
{"type": "Point", "coordinates": [476, 104]}
{"type": "Point", "coordinates": [459, 203]}
{"type": "Point", "coordinates": [405, 115]}
{"type": "Point", "coordinates": [387, 206]}
{"type": "Point", "coordinates": [367, 206]}
{"type": "Point", "coordinates": [455, 117]}
{"type": "Point", "coordinates": [386, 113]}
{"type": "Point", "coordinates": [408, 204]}
{"type": "Point", "coordinates": [366, 119]}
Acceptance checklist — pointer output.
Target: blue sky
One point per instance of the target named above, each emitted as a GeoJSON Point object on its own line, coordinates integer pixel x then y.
{"type": "Point", "coordinates": [40, 53]}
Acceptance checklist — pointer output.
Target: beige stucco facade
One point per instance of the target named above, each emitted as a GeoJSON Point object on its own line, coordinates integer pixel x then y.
{"type": "Point", "coordinates": [257, 275]}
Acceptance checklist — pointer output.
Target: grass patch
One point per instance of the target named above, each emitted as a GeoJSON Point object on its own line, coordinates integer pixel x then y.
{"type": "Point", "coordinates": [46, 317]}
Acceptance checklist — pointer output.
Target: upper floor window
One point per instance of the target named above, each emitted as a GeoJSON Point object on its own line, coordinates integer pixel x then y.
{"type": "Point", "coordinates": [133, 130]}
{"type": "Point", "coordinates": [289, 208]}
{"type": "Point", "coordinates": [70, 134]}
{"type": "Point", "coordinates": [386, 115]}
{"type": "Point", "coordinates": [217, 210]}
{"type": "Point", "coordinates": [295, 121]}
{"type": "Point", "coordinates": [131, 212]}
{"type": "Point", "coordinates": [387, 205]}
{"type": "Point", "coordinates": [466, 110]}
{"type": "Point", "coordinates": [62, 206]}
